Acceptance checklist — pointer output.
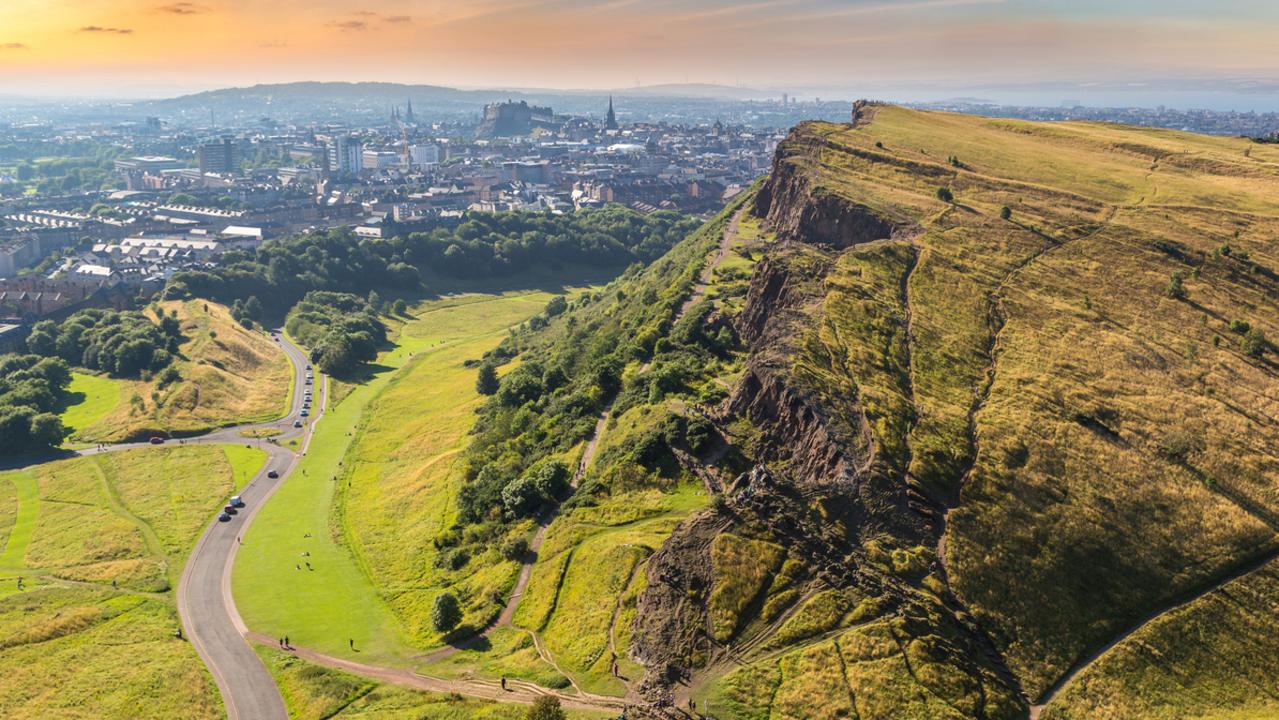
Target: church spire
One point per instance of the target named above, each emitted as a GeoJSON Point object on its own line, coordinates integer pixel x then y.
{"type": "Point", "coordinates": [610, 120]}
{"type": "Point", "coordinates": [408, 114]}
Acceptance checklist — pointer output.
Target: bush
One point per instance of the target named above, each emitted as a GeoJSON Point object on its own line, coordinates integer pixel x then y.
{"type": "Point", "coordinates": [1253, 343]}
{"type": "Point", "coordinates": [515, 548]}
{"type": "Point", "coordinates": [1005, 213]}
{"type": "Point", "coordinates": [486, 382]}
{"type": "Point", "coordinates": [945, 195]}
{"type": "Point", "coordinates": [521, 497]}
{"type": "Point", "coordinates": [446, 612]}
{"type": "Point", "coordinates": [546, 707]}
{"type": "Point", "coordinates": [1175, 289]}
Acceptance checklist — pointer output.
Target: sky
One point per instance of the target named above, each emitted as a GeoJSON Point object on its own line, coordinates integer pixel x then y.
{"type": "Point", "coordinates": [942, 47]}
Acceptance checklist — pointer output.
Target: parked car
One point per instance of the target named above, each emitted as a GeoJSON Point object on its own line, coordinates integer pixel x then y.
{"type": "Point", "coordinates": [157, 441]}
{"type": "Point", "coordinates": [237, 501]}
{"type": "Point", "coordinates": [229, 510]}
{"type": "Point", "coordinates": [223, 517]}
{"type": "Point", "coordinates": [273, 474]}
{"type": "Point", "coordinates": [297, 423]}
{"type": "Point", "coordinates": [304, 413]}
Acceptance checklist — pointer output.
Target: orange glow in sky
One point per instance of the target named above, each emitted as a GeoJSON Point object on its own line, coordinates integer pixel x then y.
{"type": "Point", "coordinates": [120, 47]}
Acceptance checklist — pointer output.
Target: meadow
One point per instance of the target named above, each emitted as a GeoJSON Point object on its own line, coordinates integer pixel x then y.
{"type": "Point", "coordinates": [99, 543]}
{"type": "Point", "coordinates": [373, 489]}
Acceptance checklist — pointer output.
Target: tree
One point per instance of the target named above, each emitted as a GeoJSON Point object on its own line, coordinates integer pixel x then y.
{"type": "Point", "coordinates": [945, 195]}
{"type": "Point", "coordinates": [520, 497]}
{"type": "Point", "coordinates": [399, 307]}
{"type": "Point", "coordinates": [546, 707]}
{"type": "Point", "coordinates": [1175, 290]}
{"type": "Point", "coordinates": [487, 383]}
{"type": "Point", "coordinates": [1005, 213]}
{"type": "Point", "coordinates": [47, 430]}
{"type": "Point", "coordinates": [515, 548]}
{"type": "Point", "coordinates": [1253, 343]}
{"type": "Point", "coordinates": [446, 613]}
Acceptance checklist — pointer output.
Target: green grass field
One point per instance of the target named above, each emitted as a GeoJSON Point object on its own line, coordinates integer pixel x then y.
{"type": "Point", "coordinates": [91, 398]}
{"type": "Point", "coordinates": [99, 542]}
{"type": "Point", "coordinates": [371, 490]}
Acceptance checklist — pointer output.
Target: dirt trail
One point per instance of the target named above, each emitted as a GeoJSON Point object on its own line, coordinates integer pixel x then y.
{"type": "Point", "coordinates": [516, 690]}
{"type": "Point", "coordinates": [1212, 586]}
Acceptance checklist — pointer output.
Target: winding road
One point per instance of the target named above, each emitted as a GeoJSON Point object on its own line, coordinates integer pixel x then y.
{"type": "Point", "coordinates": [204, 593]}
{"type": "Point", "coordinates": [204, 602]}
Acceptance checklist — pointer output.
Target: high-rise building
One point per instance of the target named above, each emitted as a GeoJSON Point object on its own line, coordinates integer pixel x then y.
{"type": "Point", "coordinates": [220, 156]}
{"type": "Point", "coordinates": [344, 155]}
{"type": "Point", "coordinates": [610, 120]}
{"type": "Point", "coordinates": [424, 155]}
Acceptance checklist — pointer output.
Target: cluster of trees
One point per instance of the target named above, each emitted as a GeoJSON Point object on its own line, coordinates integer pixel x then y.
{"type": "Point", "coordinates": [342, 329]}
{"type": "Point", "coordinates": [483, 245]}
{"type": "Point", "coordinates": [30, 389]}
{"type": "Point", "coordinates": [119, 343]}
{"type": "Point", "coordinates": [248, 312]}
{"type": "Point", "coordinates": [571, 370]}
{"type": "Point", "coordinates": [519, 497]}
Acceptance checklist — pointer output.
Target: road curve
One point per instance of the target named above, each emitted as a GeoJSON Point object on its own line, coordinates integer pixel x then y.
{"type": "Point", "coordinates": [204, 598]}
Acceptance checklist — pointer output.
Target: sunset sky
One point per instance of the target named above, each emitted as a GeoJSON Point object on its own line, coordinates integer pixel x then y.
{"type": "Point", "coordinates": [150, 47]}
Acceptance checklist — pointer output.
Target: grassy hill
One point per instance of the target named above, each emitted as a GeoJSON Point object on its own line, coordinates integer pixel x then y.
{"type": "Point", "coordinates": [229, 375]}
{"type": "Point", "coordinates": [1068, 387]}
{"type": "Point", "coordinates": [986, 397]}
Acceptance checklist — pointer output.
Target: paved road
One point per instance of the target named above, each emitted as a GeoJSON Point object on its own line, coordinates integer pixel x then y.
{"type": "Point", "coordinates": [204, 598]}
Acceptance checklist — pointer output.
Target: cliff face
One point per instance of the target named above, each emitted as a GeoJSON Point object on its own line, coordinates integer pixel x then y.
{"type": "Point", "coordinates": [817, 484]}
{"type": "Point", "coordinates": [800, 212]}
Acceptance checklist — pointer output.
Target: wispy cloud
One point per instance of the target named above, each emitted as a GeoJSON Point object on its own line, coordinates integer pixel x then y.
{"type": "Point", "coordinates": [184, 8]}
{"type": "Point", "coordinates": [13, 46]}
{"type": "Point", "coordinates": [397, 19]}
{"type": "Point", "coordinates": [349, 25]}
{"type": "Point", "coordinates": [106, 30]}
{"type": "Point", "coordinates": [274, 44]}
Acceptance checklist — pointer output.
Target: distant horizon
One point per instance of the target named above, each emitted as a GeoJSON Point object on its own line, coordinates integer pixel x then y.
{"type": "Point", "coordinates": [909, 51]}
{"type": "Point", "coordinates": [1243, 95]}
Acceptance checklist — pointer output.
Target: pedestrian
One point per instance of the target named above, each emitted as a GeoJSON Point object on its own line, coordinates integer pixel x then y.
{"type": "Point", "coordinates": [113, 585]}
{"type": "Point", "coordinates": [280, 641]}
{"type": "Point", "coordinates": [286, 642]}
{"type": "Point", "coordinates": [297, 566]}
{"type": "Point", "coordinates": [178, 633]}
{"type": "Point", "coordinates": [503, 683]}
{"type": "Point", "coordinates": [351, 643]}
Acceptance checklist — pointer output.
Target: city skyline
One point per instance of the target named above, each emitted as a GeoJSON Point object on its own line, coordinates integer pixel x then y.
{"type": "Point", "coordinates": [925, 47]}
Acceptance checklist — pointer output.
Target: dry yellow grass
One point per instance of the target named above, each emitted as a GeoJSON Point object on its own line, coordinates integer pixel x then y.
{"type": "Point", "coordinates": [1108, 445]}
{"type": "Point", "coordinates": [230, 375]}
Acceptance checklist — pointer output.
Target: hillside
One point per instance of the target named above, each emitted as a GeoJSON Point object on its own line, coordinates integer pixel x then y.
{"type": "Point", "coordinates": [906, 456]}
{"type": "Point", "coordinates": [226, 375]}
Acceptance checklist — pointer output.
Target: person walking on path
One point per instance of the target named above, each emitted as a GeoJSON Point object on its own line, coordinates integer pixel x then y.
{"type": "Point", "coordinates": [351, 642]}
{"type": "Point", "coordinates": [503, 683]}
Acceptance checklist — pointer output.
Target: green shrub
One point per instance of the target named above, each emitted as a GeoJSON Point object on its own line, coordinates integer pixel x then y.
{"type": "Point", "coordinates": [446, 612]}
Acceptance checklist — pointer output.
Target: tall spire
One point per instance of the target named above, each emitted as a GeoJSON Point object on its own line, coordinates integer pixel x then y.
{"type": "Point", "coordinates": [408, 114]}
{"type": "Point", "coordinates": [610, 120]}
